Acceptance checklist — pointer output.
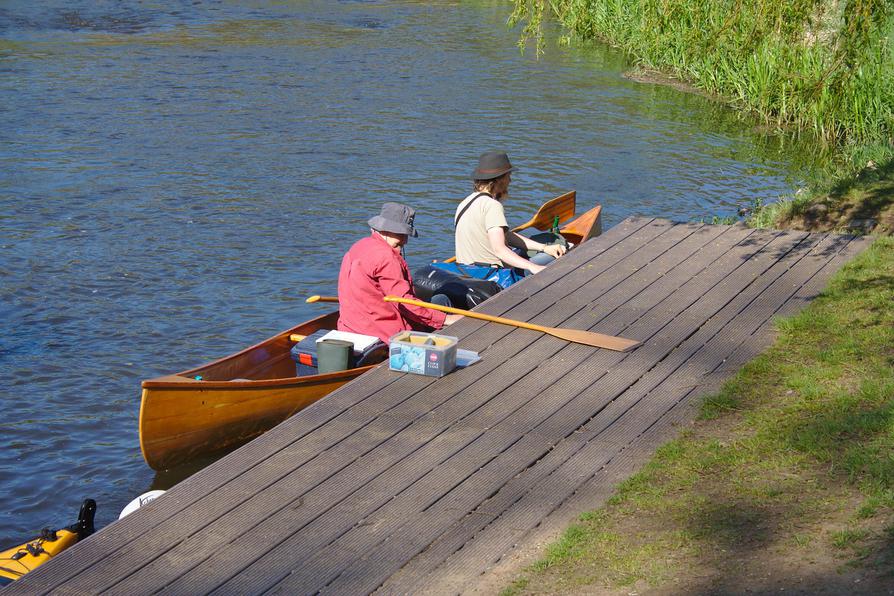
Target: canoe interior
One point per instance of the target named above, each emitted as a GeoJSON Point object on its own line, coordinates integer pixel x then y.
{"type": "Point", "coordinates": [268, 360]}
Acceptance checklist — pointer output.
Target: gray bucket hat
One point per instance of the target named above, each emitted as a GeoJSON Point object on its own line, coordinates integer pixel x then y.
{"type": "Point", "coordinates": [492, 164]}
{"type": "Point", "coordinates": [395, 218]}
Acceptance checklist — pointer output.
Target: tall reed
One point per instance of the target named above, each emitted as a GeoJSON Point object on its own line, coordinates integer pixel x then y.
{"type": "Point", "coordinates": [820, 65]}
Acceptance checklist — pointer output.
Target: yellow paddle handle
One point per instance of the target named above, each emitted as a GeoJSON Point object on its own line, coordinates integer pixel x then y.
{"type": "Point", "coordinates": [317, 298]}
{"type": "Point", "coordinates": [468, 313]}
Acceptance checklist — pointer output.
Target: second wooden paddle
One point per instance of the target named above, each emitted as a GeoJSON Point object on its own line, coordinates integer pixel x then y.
{"type": "Point", "coordinates": [588, 338]}
{"type": "Point", "coordinates": [561, 207]}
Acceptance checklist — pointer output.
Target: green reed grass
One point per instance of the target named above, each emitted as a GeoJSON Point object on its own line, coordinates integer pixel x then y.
{"type": "Point", "coordinates": [816, 65]}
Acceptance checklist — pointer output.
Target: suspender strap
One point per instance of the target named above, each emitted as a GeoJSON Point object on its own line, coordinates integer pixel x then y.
{"type": "Point", "coordinates": [469, 204]}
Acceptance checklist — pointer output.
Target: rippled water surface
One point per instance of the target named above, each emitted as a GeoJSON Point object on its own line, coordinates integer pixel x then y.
{"type": "Point", "coordinates": [175, 177]}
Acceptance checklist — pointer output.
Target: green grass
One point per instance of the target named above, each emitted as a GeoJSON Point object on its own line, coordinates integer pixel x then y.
{"type": "Point", "coordinates": [859, 188]}
{"type": "Point", "coordinates": [815, 65]}
{"type": "Point", "coordinates": [604, 553]}
{"type": "Point", "coordinates": [820, 68]}
{"type": "Point", "coordinates": [793, 455]}
{"type": "Point", "coordinates": [848, 538]}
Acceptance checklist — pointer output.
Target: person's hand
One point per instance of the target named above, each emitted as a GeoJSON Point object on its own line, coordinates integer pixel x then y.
{"type": "Point", "coordinates": [535, 268]}
{"type": "Point", "coordinates": [555, 250]}
{"type": "Point", "coordinates": [451, 319]}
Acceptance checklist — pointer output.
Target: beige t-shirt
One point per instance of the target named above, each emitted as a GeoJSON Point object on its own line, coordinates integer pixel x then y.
{"type": "Point", "coordinates": [472, 244]}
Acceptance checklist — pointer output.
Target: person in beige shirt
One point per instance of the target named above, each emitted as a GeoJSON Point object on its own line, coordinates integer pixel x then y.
{"type": "Point", "coordinates": [482, 233]}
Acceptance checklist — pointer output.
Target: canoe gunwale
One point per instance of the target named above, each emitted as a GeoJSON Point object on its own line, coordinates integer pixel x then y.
{"type": "Point", "coordinates": [181, 382]}
{"type": "Point", "coordinates": [187, 378]}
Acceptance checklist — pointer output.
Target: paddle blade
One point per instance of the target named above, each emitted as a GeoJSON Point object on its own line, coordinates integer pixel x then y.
{"type": "Point", "coordinates": [591, 338]}
{"type": "Point", "coordinates": [561, 207]}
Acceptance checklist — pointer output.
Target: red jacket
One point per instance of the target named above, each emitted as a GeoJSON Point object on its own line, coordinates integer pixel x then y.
{"type": "Point", "coordinates": [371, 270]}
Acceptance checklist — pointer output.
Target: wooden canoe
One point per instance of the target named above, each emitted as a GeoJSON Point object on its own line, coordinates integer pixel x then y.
{"type": "Point", "coordinates": [243, 395]}
{"type": "Point", "coordinates": [585, 226]}
{"type": "Point", "coordinates": [238, 398]}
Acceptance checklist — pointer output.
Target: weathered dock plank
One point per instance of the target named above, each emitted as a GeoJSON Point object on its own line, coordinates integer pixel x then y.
{"type": "Point", "coordinates": [426, 576]}
{"type": "Point", "coordinates": [624, 420]}
{"type": "Point", "coordinates": [556, 426]}
{"type": "Point", "coordinates": [513, 434]}
{"type": "Point", "coordinates": [408, 484]}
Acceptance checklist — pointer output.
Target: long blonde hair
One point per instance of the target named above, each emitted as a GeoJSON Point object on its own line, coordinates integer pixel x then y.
{"type": "Point", "coordinates": [495, 187]}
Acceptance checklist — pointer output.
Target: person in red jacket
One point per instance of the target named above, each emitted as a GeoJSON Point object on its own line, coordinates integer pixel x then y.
{"type": "Point", "coordinates": [374, 268]}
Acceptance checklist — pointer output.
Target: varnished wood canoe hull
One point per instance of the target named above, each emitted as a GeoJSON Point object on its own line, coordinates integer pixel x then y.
{"type": "Point", "coordinates": [239, 397]}
{"type": "Point", "coordinates": [587, 225]}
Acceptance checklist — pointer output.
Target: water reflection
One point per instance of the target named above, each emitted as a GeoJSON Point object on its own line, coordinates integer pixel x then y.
{"type": "Point", "coordinates": [166, 479]}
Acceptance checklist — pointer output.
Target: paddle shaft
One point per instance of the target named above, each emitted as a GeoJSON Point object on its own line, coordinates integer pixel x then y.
{"type": "Point", "coordinates": [315, 298]}
{"type": "Point", "coordinates": [598, 340]}
{"type": "Point", "coordinates": [468, 313]}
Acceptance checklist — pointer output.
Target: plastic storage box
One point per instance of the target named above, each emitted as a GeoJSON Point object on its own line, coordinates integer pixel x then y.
{"type": "Point", "coordinates": [422, 353]}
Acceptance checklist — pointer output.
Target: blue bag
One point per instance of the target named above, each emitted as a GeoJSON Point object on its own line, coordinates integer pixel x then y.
{"type": "Point", "coordinates": [503, 276]}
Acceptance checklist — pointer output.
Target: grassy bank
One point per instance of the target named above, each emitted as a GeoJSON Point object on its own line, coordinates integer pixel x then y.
{"type": "Point", "coordinates": [856, 201]}
{"type": "Point", "coordinates": [820, 65]}
{"type": "Point", "coordinates": [785, 482]}
{"type": "Point", "coordinates": [823, 68]}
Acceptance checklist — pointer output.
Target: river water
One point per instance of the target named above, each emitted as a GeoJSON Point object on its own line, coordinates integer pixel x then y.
{"type": "Point", "coordinates": [175, 178]}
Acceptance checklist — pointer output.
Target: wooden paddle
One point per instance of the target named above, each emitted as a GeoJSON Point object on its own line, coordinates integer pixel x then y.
{"type": "Point", "coordinates": [561, 207]}
{"type": "Point", "coordinates": [588, 338]}
{"type": "Point", "coordinates": [316, 298]}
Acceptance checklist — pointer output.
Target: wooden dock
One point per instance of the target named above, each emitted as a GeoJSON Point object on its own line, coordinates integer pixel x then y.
{"type": "Point", "coordinates": [409, 484]}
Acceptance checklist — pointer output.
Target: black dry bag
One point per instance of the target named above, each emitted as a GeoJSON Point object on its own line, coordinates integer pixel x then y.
{"type": "Point", "coordinates": [463, 291]}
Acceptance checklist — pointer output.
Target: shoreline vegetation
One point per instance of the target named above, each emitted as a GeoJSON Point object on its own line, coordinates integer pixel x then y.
{"type": "Point", "coordinates": [817, 68]}
{"type": "Point", "coordinates": [786, 480]}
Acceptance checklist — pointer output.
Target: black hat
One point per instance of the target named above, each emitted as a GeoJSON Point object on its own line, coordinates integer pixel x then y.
{"type": "Point", "coordinates": [492, 164]}
{"type": "Point", "coordinates": [395, 218]}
